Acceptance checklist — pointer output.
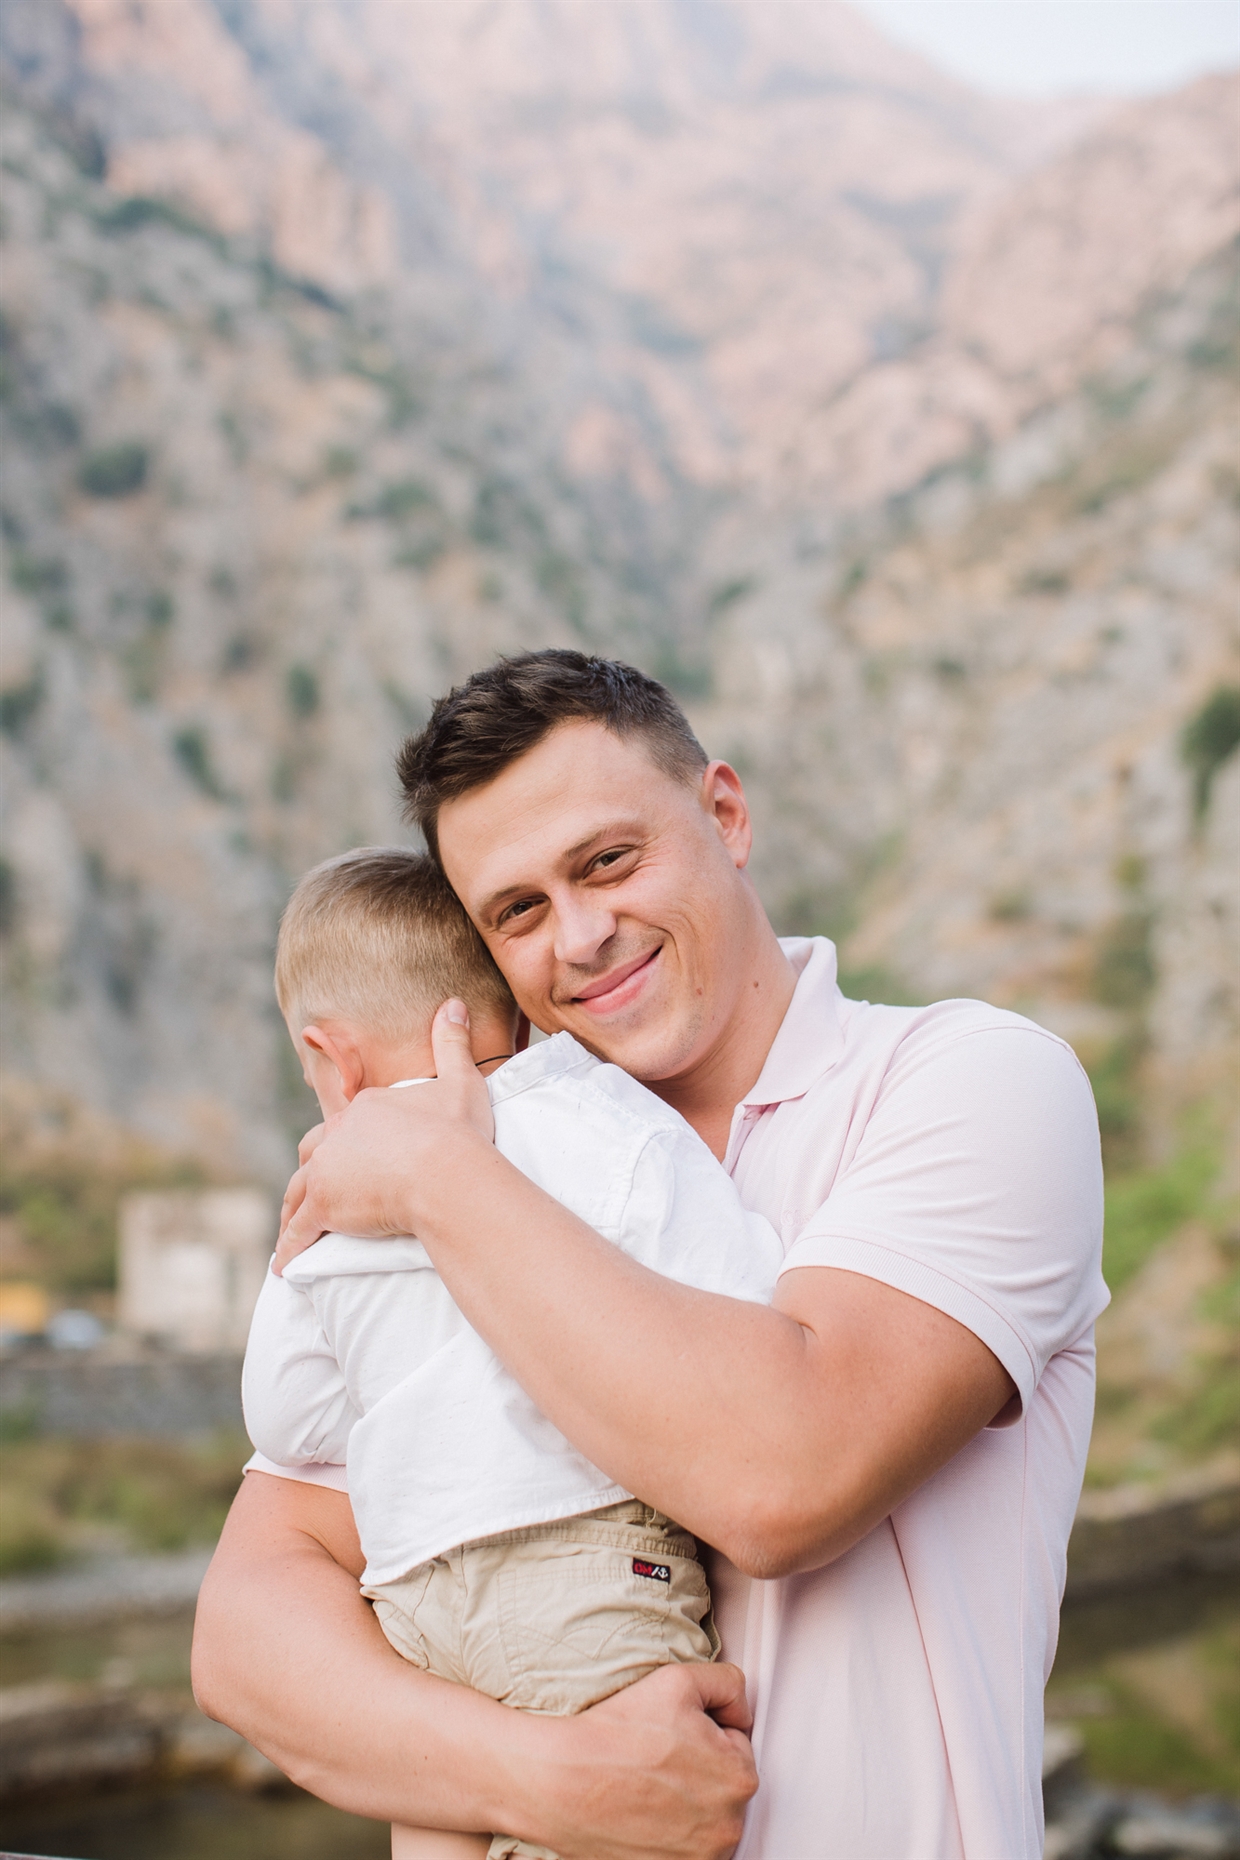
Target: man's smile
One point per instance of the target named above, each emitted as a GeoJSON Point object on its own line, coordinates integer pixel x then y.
{"type": "Point", "coordinates": [619, 987]}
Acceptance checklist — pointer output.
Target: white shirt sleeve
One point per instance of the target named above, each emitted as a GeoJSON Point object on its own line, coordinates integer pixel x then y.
{"type": "Point", "coordinates": [334, 1478]}
{"type": "Point", "coordinates": [976, 1186]}
{"type": "Point", "coordinates": [684, 1219]}
{"type": "Point", "coordinates": [297, 1407]}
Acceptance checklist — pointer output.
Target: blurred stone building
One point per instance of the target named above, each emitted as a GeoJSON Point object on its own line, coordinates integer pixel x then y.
{"type": "Point", "coordinates": [191, 1265]}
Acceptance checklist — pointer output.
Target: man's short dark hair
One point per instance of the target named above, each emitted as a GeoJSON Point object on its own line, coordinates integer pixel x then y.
{"type": "Point", "coordinates": [499, 714]}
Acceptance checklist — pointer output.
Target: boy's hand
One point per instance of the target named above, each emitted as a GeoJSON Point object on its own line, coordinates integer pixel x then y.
{"type": "Point", "coordinates": [359, 1171]}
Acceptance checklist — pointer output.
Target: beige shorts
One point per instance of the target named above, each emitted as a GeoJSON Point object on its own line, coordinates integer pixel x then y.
{"type": "Point", "coordinates": [555, 1617]}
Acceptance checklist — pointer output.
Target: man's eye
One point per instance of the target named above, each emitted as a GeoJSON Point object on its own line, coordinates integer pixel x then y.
{"type": "Point", "coordinates": [518, 909]}
{"type": "Point", "coordinates": [610, 857]}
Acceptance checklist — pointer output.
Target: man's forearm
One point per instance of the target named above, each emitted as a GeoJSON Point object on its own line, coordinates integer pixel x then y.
{"type": "Point", "coordinates": [625, 1362]}
{"type": "Point", "coordinates": [286, 1651]}
{"type": "Point", "coordinates": [781, 1435]}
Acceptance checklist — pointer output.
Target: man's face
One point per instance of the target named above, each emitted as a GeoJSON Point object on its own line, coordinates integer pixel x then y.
{"type": "Point", "coordinates": [610, 894]}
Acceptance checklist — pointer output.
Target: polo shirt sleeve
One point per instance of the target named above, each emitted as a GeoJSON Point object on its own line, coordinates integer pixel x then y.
{"type": "Point", "coordinates": [976, 1185]}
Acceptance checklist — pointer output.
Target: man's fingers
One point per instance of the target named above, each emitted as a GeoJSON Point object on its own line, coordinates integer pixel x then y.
{"type": "Point", "coordinates": [721, 1688]}
{"type": "Point", "coordinates": [310, 1142]}
{"type": "Point", "coordinates": [294, 1195]}
{"type": "Point", "coordinates": [465, 1092]}
{"type": "Point", "coordinates": [295, 1235]}
{"type": "Point", "coordinates": [299, 1233]}
{"type": "Point", "coordinates": [298, 1228]}
{"type": "Point", "coordinates": [355, 1166]}
{"type": "Point", "coordinates": [454, 1056]}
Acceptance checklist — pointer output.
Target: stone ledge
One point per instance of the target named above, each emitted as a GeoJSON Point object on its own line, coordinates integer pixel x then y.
{"type": "Point", "coordinates": [1136, 1535]}
{"type": "Point", "coordinates": [156, 1392]}
{"type": "Point", "coordinates": [57, 1735]}
{"type": "Point", "coordinates": [108, 1590]}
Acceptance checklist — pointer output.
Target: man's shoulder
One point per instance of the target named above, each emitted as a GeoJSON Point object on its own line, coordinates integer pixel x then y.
{"type": "Point", "coordinates": [582, 1130]}
{"type": "Point", "coordinates": [561, 1077]}
{"type": "Point", "coordinates": [914, 1034]}
{"type": "Point", "coordinates": [993, 1076]}
{"type": "Point", "coordinates": [916, 1062]}
{"type": "Point", "coordinates": [549, 1062]}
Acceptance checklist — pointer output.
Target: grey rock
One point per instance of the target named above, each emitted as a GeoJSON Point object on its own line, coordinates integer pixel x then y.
{"type": "Point", "coordinates": [111, 1589]}
{"type": "Point", "coordinates": [54, 1735]}
{"type": "Point", "coordinates": [1205, 1830]}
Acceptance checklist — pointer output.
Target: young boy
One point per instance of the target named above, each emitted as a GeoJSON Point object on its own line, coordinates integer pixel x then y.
{"type": "Point", "coordinates": [497, 1555]}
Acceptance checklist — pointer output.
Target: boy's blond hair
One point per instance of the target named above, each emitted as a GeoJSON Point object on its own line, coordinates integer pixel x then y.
{"type": "Point", "coordinates": [378, 936]}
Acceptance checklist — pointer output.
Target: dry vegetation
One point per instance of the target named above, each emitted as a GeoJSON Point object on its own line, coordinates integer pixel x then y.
{"type": "Point", "coordinates": [65, 1499]}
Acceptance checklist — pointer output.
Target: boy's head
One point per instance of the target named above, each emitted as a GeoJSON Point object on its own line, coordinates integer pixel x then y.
{"type": "Point", "coordinates": [371, 943]}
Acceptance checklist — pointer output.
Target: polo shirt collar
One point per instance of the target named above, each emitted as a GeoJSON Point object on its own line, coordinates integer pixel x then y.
{"type": "Point", "coordinates": [811, 1035]}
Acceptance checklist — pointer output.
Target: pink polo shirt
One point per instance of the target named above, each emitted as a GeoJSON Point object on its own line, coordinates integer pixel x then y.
{"type": "Point", "coordinates": [952, 1152]}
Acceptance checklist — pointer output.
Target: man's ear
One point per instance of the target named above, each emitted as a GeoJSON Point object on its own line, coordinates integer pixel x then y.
{"type": "Point", "coordinates": [336, 1046]}
{"type": "Point", "coordinates": [723, 797]}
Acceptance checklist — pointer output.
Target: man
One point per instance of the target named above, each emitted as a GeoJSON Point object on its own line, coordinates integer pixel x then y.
{"type": "Point", "coordinates": [887, 1460]}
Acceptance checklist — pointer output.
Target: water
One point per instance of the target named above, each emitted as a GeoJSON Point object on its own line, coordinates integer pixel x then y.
{"type": "Point", "coordinates": [144, 1652]}
{"type": "Point", "coordinates": [211, 1821]}
{"type": "Point", "coordinates": [199, 1821]}
{"type": "Point", "coordinates": [1093, 1630]}
{"type": "Point", "coordinates": [202, 1822]}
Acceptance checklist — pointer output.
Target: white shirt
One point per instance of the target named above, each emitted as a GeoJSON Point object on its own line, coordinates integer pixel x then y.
{"type": "Point", "coordinates": [952, 1153]}
{"type": "Point", "coordinates": [359, 1355]}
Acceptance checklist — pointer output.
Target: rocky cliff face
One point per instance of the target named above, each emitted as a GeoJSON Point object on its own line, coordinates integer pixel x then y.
{"type": "Point", "coordinates": [970, 748]}
{"type": "Point", "coordinates": [346, 346]}
{"type": "Point", "coordinates": [247, 537]}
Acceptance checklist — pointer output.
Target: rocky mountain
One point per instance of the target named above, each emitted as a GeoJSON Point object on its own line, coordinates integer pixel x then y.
{"type": "Point", "coordinates": [348, 344]}
{"type": "Point", "coordinates": [246, 538]}
{"type": "Point", "coordinates": [971, 740]}
{"type": "Point", "coordinates": [713, 211]}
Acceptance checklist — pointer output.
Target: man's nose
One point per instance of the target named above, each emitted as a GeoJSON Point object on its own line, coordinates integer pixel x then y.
{"type": "Point", "coordinates": [582, 926]}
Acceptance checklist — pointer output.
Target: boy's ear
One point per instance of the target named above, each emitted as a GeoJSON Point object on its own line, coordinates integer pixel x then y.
{"type": "Point", "coordinates": [340, 1051]}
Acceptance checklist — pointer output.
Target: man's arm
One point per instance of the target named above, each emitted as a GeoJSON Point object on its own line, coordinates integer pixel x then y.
{"type": "Point", "coordinates": [780, 1434]}
{"type": "Point", "coordinates": [287, 1652]}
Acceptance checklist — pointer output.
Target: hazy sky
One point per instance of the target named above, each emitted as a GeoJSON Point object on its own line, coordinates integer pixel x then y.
{"type": "Point", "coordinates": [1048, 47]}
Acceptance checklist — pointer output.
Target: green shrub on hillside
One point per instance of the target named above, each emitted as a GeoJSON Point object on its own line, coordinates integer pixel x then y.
{"type": "Point", "coordinates": [115, 471]}
{"type": "Point", "coordinates": [20, 703]}
{"type": "Point", "coordinates": [1124, 974]}
{"type": "Point", "coordinates": [301, 687]}
{"type": "Point", "coordinates": [1133, 1747]}
{"type": "Point", "coordinates": [1145, 1208]}
{"type": "Point", "coordinates": [66, 1211]}
{"type": "Point", "coordinates": [1208, 739]}
{"type": "Point", "coordinates": [190, 748]}
{"type": "Point", "coordinates": [156, 1495]}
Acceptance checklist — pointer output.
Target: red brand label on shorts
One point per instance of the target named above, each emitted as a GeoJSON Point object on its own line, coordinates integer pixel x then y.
{"type": "Point", "coordinates": [657, 1572]}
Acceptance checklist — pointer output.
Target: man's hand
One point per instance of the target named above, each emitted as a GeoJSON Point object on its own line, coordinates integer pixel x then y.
{"type": "Point", "coordinates": [359, 1171]}
{"type": "Point", "coordinates": [651, 1758]}
{"type": "Point", "coordinates": [286, 1650]}
{"type": "Point", "coordinates": [696, 1771]}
